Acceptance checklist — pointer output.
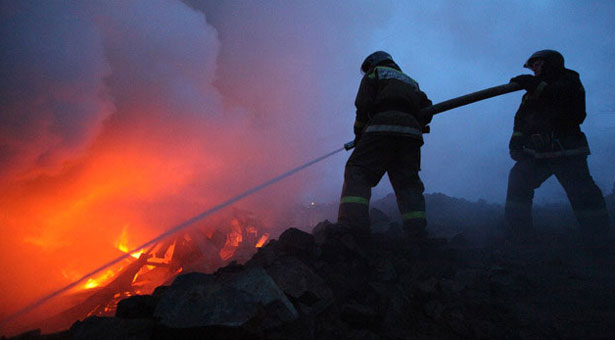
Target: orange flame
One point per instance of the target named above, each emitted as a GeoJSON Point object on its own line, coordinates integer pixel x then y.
{"type": "Point", "coordinates": [94, 282]}
{"type": "Point", "coordinates": [262, 240]}
{"type": "Point", "coordinates": [122, 244]}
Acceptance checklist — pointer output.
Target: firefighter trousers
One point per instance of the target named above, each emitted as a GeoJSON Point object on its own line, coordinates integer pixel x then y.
{"type": "Point", "coordinates": [375, 155]}
{"type": "Point", "coordinates": [573, 174]}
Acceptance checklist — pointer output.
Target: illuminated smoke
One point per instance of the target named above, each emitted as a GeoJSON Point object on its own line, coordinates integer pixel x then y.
{"type": "Point", "coordinates": [110, 121]}
{"type": "Point", "coordinates": [128, 117]}
{"type": "Point", "coordinates": [53, 98]}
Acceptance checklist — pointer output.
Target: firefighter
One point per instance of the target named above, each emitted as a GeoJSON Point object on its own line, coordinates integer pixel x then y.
{"type": "Point", "coordinates": [388, 135]}
{"type": "Point", "coordinates": [547, 140]}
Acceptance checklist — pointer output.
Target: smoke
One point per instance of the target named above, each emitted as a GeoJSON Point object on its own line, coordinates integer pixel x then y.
{"type": "Point", "coordinates": [137, 115]}
{"type": "Point", "coordinates": [102, 106]}
{"type": "Point", "coordinates": [52, 91]}
{"type": "Point", "coordinates": [304, 58]}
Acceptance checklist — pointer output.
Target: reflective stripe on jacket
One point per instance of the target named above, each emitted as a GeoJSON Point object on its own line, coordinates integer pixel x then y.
{"type": "Point", "coordinates": [389, 102]}
{"type": "Point", "coordinates": [542, 146]}
{"type": "Point", "coordinates": [397, 129]}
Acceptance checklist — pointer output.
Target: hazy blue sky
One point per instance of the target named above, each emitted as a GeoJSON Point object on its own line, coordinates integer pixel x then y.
{"type": "Point", "coordinates": [450, 48]}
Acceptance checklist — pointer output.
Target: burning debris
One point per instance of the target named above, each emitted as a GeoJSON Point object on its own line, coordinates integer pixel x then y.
{"type": "Point", "coordinates": [200, 249]}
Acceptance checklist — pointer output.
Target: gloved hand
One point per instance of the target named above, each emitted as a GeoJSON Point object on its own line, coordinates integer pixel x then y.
{"type": "Point", "coordinates": [515, 147]}
{"type": "Point", "coordinates": [527, 82]}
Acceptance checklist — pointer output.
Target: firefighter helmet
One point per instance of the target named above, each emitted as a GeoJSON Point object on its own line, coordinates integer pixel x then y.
{"type": "Point", "coordinates": [374, 59]}
{"type": "Point", "coordinates": [551, 57]}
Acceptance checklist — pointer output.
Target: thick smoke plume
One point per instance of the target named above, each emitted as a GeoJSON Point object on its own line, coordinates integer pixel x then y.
{"type": "Point", "coordinates": [107, 114]}
{"type": "Point", "coordinates": [126, 118]}
{"type": "Point", "coordinates": [53, 98]}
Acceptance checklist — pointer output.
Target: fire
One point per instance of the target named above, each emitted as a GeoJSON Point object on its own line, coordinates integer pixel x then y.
{"type": "Point", "coordinates": [242, 234]}
{"type": "Point", "coordinates": [262, 240]}
{"type": "Point", "coordinates": [122, 244]}
{"type": "Point", "coordinates": [107, 152]}
{"type": "Point", "coordinates": [101, 279]}
{"type": "Point", "coordinates": [91, 283]}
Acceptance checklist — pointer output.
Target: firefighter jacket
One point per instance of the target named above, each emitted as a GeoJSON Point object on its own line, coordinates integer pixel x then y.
{"type": "Point", "coordinates": [547, 121]}
{"type": "Point", "coordinates": [389, 102]}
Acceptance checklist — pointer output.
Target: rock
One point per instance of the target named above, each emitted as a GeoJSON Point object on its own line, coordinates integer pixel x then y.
{"type": "Point", "coordinates": [33, 334]}
{"type": "Point", "coordinates": [208, 332]}
{"type": "Point", "coordinates": [434, 309]}
{"type": "Point", "coordinates": [199, 300]}
{"type": "Point", "coordinates": [264, 256]}
{"type": "Point", "coordinates": [300, 283]}
{"type": "Point", "coordinates": [451, 286]}
{"type": "Point", "coordinates": [105, 328]}
{"type": "Point", "coordinates": [324, 231]}
{"type": "Point", "coordinates": [394, 231]}
{"type": "Point", "coordinates": [384, 270]}
{"type": "Point", "coordinates": [358, 316]}
{"type": "Point", "coordinates": [257, 283]}
{"type": "Point", "coordinates": [379, 221]}
{"type": "Point", "coordinates": [229, 270]}
{"type": "Point", "coordinates": [459, 241]}
{"type": "Point", "coordinates": [338, 242]}
{"type": "Point", "coordinates": [136, 307]}
{"type": "Point", "coordinates": [428, 287]}
{"type": "Point", "coordinates": [465, 278]}
{"type": "Point", "coordinates": [397, 316]}
{"type": "Point", "coordinates": [159, 291]}
{"type": "Point", "coordinates": [355, 244]}
{"type": "Point", "coordinates": [482, 329]}
{"type": "Point", "coordinates": [457, 322]}
{"type": "Point", "coordinates": [207, 306]}
{"type": "Point", "coordinates": [503, 280]}
{"type": "Point", "coordinates": [295, 242]}
{"type": "Point", "coordinates": [195, 300]}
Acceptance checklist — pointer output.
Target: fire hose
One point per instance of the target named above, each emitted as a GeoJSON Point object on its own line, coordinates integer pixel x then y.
{"type": "Point", "coordinates": [435, 109]}
{"type": "Point", "coordinates": [461, 101]}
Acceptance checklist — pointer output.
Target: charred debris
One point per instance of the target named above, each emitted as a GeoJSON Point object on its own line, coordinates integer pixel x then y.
{"type": "Point", "coordinates": [467, 281]}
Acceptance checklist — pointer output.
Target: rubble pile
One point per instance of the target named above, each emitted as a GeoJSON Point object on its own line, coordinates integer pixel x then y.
{"type": "Point", "coordinates": [328, 284]}
{"type": "Point", "coordinates": [232, 237]}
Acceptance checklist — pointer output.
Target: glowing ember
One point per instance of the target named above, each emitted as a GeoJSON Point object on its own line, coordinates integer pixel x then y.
{"type": "Point", "coordinates": [227, 252]}
{"type": "Point", "coordinates": [91, 284]}
{"type": "Point", "coordinates": [94, 282]}
{"type": "Point", "coordinates": [262, 240]}
{"type": "Point", "coordinates": [122, 244]}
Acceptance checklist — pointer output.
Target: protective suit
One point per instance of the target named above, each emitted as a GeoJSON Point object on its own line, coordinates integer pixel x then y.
{"type": "Point", "coordinates": [547, 140]}
{"type": "Point", "coordinates": [388, 134]}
